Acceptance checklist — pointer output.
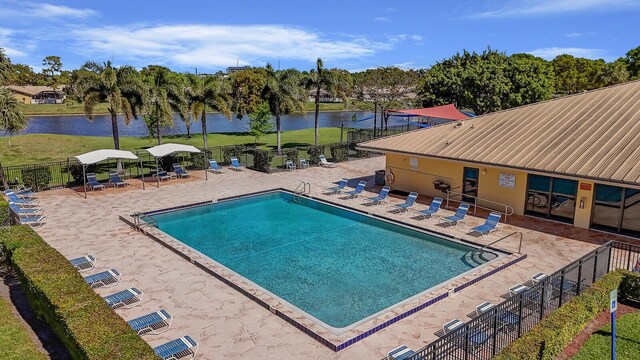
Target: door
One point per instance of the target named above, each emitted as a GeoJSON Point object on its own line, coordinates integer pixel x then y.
{"type": "Point", "coordinates": [470, 184]}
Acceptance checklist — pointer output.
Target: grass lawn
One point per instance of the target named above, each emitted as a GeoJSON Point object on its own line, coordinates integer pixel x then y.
{"type": "Point", "coordinates": [38, 148]}
{"type": "Point", "coordinates": [101, 108]}
{"type": "Point", "coordinates": [15, 342]}
{"type": "Point", "coordinates": [598, 346]}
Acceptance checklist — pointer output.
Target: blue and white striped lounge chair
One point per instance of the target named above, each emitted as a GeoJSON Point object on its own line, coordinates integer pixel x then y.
{"type": "Point", "coordinates": [459, 216]}
{"type": "Point", "coordinates": [106, 278]}
{"type": "Point", "coordinates": [154, 323]}
{"type": "Point", "coordinates": [636, 267]}
{"type": "Point", "coordinates": [477, 338]}
{"type": "Point", "coordinates": [83, 263]}
{"type": "Point", "coordinates": [92, 182]}
{"type": "Point", "coordinates": [381, 198]}
{"type": "Point", "coordinates": [124, 299]}
{"type": "Point", "coordinates": [179, 171]}
{"type": "Point", "coordinates": [162, 175]}
{"type": "Point", "coordinates": [400, 353]}
{"type": "Point", "coordinates": [289, 165]}
{"type": "Point", "coordinates": [115, 180]}
{"type": "Point", "coordinates": [178, 349]}
{"type": "Point", "coordinates": [411, 200]}
{"type": "Point", "coordinates": [304, 163]}
{"type": "Point", "coordinates": [13, 198]}
{"type": "Point", "coordinates": [358, 190]}
{"type": "Point", "coordinates": [235, 164]}
{"type": "Point", "coordinates": [26, 211]}
{"type": "Point", "coordinates": [451, 326]}
{"type": "Point", "coordinates": [324, 163]}
{"type": "Point", "coordinates": [491, 224]}
{"type": "Point", "coordinates": [538, 277]}
{"type": "Point", "coordinates": [21, 194]}
{"type": "Point", "coordinates": [33, 221]}
{"type": "Point", "coordinates": [336, 189]}
{"type": "Point", "coordinates": [214, 167]}
{"type": "Point", "coordinates": [433, 209]}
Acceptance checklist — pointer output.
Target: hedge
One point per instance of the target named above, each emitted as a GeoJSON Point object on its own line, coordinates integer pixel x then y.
{"type": "Point", "coordinates": [339, 152]}
{"type": "Point", "coordinates": [15, 342]}
{"type": "Point", "coordinates": [4, 212]}
{"type": "Point", "coordinates": [549, 338]}
{"type": "Point", "coordinates": [314, 153]}
{"type": "Point", "coordinates": [87, 327]}
{"type": "Point", "coordinates": [37, 177]}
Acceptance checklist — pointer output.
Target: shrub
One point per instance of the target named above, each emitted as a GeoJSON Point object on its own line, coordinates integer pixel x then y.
{"type": "Point", "coordinates": [314, 153]}
{"type": "Point", "coordinates": [166, 162]}
{"type": "Point", "coordinates": [339, 152]}
{"type": "Point", "coordinates": [57, 293]}
{"type": "Point", "coordinates": [37, 177]}
{"type": "Point", "coordinates": [262, 160]}
{"type": "Point", "coordinates": [549, 338]}
{"type": "Point", "coordinates": [630, 286]}
{"type": "Point", "coordinates": [15, 342]}
{"type": "Point", "coordinates": [75, 171]}
{"type": "Point", "coordinates": [4, 212]}
{"type": "Point", "coordinates": [291, 154]}
{"type": "Point", "coordinates": [231, 151]}
{"type": "Point", "coordinates": [200, 160]}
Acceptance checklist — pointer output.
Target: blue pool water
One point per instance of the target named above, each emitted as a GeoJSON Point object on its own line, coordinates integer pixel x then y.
{"type": "Point", "coordinates": [336, 265]}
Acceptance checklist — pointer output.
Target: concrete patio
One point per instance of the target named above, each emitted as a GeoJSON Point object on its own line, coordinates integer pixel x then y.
{"type": "Point", "coordinates": [229, 325]}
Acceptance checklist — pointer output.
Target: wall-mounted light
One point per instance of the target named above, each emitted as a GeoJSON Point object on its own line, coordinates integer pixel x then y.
{"type": "Point", "coordinates": [582, 200]}
{"type": "Point", "coordinates": [484, 171]}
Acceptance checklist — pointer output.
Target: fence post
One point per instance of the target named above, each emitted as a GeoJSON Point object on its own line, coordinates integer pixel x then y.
{"type": "Point", "coordinates": [579, 277]}
{"type": "Point", "coordinates": [609, 257]}
{"type": "Point", "coordinates": [541, 302]}
{"type": "Point", "coordinates": [495, 333]}
{"type": "Point", "coordinates": [628, 258]}
{"type": "Point", "coordinates": [561, 288]}
{"type": "Point", "coordinates": [595, 268]}
{"type": "Point", "coordinates": [519, 316]}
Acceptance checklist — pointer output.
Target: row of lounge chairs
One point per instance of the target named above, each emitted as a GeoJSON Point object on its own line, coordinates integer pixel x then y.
{"type": "Point", "coordinates": [26, 208]}
{"type": "Point", "coordinates": [153, 323]}
{"type": "Point", "coordinates": [491, 223]}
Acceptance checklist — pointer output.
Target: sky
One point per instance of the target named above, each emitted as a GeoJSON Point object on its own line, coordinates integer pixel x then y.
{"type": "Point", "coordinates": [353, 35]}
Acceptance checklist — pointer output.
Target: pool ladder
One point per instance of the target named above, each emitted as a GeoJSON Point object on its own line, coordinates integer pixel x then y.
{"type": "Point", "coordinates": [303, 188]}
{"type": "Point", "coordinates": [139, 223]}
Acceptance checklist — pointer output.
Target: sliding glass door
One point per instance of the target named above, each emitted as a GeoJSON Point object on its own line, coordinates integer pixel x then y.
{"type": "Point", "coordinates": [553, 198]}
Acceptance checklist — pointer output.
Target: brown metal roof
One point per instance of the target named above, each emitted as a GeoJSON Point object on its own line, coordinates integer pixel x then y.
{"type": "Point", "coordinates": [31, 90]}
{"type": "Point", "coordinates": [595, 135]}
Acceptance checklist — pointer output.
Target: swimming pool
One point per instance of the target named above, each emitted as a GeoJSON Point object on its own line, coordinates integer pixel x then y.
{"type": "Point", "coordinates": [338, 266]}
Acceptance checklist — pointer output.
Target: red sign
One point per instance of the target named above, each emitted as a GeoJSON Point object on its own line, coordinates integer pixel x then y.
{"type": "Point", "coordinates": [584, 186]}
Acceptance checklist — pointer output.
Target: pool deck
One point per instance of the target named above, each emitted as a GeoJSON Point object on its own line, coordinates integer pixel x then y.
{"type": "Point", "coordinates": [229, 325]}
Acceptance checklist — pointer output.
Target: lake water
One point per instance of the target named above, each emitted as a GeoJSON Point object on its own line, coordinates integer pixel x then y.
{"type": "Point", "coordinates": [216, 123]}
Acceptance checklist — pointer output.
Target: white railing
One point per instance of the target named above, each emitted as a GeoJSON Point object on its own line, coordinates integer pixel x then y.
{"type": "Point", "coordinates": [508, 210]}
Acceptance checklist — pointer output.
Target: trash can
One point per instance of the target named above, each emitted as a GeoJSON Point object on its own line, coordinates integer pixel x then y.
{"type": "Point", "coordinates": [379, 178]}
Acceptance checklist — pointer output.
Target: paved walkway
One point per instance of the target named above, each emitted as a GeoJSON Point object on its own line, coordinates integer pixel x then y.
{"type": "Point", "coordinates": [227, 324]}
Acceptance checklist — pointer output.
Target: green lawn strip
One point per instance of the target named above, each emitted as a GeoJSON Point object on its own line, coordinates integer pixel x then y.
{"type": "Point", "coordinates": [15, 342]}
{"type": "Point", "coordinates": [39, 148]}
{"type": "Point", "coordinates": [598, 346]}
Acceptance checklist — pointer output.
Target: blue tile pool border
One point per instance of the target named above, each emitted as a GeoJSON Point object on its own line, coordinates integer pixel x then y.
{"type": "Point", "coordinates": [334, 347]}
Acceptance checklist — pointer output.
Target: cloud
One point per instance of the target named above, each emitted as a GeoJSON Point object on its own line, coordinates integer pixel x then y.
{"type": "Point", "coordinates": [552, 52]}
{"type": "Point", "coordinates": [14, 9]}
{"type": "Point", "coordinates": [573, 34]}
{"type": "Point", "coordinates": [381, 19]}
{"type": "Point", "coordinates": [7, 43]}
{"type": "Point", "coordinates": [543, 7]}
{"type": "Point", "coordinates": [416, 37]}
{"type": "Point", "coordinates": [218, 45]}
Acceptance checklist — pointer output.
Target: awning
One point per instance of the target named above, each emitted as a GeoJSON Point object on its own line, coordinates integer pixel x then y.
{"type": "Point", "coordinates": [448, 112]}
{"type": "Point", "coordinates": [105, 154]}
{"type": "Point", "coordinates": [166, 149]}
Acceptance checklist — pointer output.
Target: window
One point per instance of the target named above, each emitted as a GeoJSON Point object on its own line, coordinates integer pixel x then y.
{"type": "Point", "coordinates": [553, 198]}
{"type": "Point", "coordinates": [616, 209]}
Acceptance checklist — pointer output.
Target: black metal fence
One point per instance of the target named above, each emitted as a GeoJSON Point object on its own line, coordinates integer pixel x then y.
{"type": "Point", "coordinates": [485, 335]}
{"type": "Point", "coordinates": [360, 135]}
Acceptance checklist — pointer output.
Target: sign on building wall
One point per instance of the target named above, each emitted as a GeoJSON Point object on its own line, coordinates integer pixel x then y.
{"type": "Point", "coordinates": [413, 162]}
{"type": "Point", "coordinates": [507, 180]}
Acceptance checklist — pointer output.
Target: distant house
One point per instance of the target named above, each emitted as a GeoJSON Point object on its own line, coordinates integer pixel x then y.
{"type": "Point", "coordinates": [233, 69]}
{"type": "Point", "coordinates": [37, 94]}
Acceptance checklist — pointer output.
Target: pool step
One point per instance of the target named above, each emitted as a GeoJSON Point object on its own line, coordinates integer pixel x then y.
{"type": "Point", "coordinates": [475, 257]}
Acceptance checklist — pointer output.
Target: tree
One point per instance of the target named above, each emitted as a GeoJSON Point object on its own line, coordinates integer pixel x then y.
{"type": "Point", "coordinates": [260, 123]}
{"type": "Point", "coordinates": [612, 73]}
{"type": "Point", "coordinates": [317, 80]}
{"type": "Point", "coordinates": [208, 91]}
{"type": "Point", "coordinates": [282, 93]}
{"type": "Point", "coordinates": [119, 87]}
{"type": "Point", "coordinates": [246, 86]}
{"type": "Point", "coordinates": [52, 67]}
{"type": "Point", "coordinates": [6, 71]}
{"type": "Point", "coordinates": [164, 98]}
{"type": "Point", "coordinates": [24, 75]}
{"type": "Point", "coordinates": [632, 60]}
{"type": "Point", "coordinates": [532, 80]}
{"type": "Point", "coordinates": [574, 75]}
{"type": "Point", "coordinates": [11, 119]}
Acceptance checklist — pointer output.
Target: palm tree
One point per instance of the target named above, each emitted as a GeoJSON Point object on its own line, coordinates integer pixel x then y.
{"type": "Point", "coordinates": [282, 93]}
{"type": "Point", "coordinates": [165, 97]}
{"type": "Point", "coordinates": [320, 79]}
{"type": "Point", "coordinates": [120, 87]}
{"type": "Point", "coordinates": [11, 120]}
{"type": "Point", "coordinates": [6, 70]}
{"type": "Point", "coordinates": [209, 91]}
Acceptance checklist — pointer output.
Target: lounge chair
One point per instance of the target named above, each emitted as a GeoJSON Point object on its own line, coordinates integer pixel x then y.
{"type": "Point", "coordinates": [124, 299]}
{"type": "Point", "coordinates": [13, 198]}
{"type": "Point", "coordinates": [235, 164]}
{"type": "Point", "coordinates": [324, 163]}
{"type": "Point", "coordinates": [636, 267]}
{"type": "Point", "coordinates": [400, 353]}
{"type": "Point", "coordinates": [162, 175]}
{"type": "Point", "coordinates": [538, 277]}
{"type": "Point", "coordinates": [381, 198]}
{"type": "Point", "coordinates": [154, 323]}
{"type": "Point", "coordinates": [106, 278]}
{"type": "Point", "coordinates": [477, 338]}
{"type": "Point", "coordinates": [25, 211]}
{"type": "Point", "coordinates": [179, 171]}
{"type": "Point", "coordinates": [289, 165]}
{"type": "Point", "coordinates": [336, 189]}
{"type": "Point", "coordinates": [92, 182]}
{"type": "Point", "coordinates": [517, 289]}
{"type": "Point", "coordinates": [491, 224]}
{"type": "Point", "coordinates": [507, 319]}
{"type": "Point", "coordinates": [115, 180]}
{"type": "Point", "coordinates": [358, 190]}
{"type": "Point", "coordinates": [20, 194]}
{"type": "Point", "coordinates": [459, 216]}
{"type": "Point", "coordinates": [83, 263]}
{"type": "Point", "coordinates": [214, 168]}
{"type": "Point", "coordinates": [178, 349]}
{"type": "Point", "coordinates": [450, 326]}
{"type": "Point", "coordinates": [433, 209]}
{"type": "Point", "coordinates": [304, 164]}
{"type": "Point", "coordinates": [411, 199]}
{"type": "Point", "coordinates": [482, 309]}
{"type": "Point", "coordinates": [33, 221]}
